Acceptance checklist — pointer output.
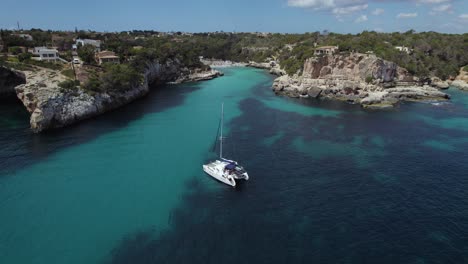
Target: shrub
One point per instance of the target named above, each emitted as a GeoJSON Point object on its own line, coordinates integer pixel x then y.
{"type": "Point", "coordinates": [93, 84]}
{"type": "Point", "coordinates": [86, 53]}
{"type": "Point", "coordinates": [68, 73]}
{"type": "Point", "coordinates": [119, 77]}
{"type": "Point", "coordinates": [15, 50]}
{"type": "Point", "coordinates": [369, 79]}
{"type": "Point", "coordinates": [465, 68]}
{"type": "Point", "coordinates": [69, 84]}
{"type": "Point", "coordinates": [45, 64]}
{"type": "Point", "coordinates": [24, 57]}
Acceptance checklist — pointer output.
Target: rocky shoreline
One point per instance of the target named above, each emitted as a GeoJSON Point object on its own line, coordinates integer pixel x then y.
{"type": "Point", "coordinates": [272, 67]}
{"type": "Point", "coordinates": [54, 107]}
{"type": "Point", "coordinates": [222, 63]}
{"type": "Point", "coordinates": [358, 78]}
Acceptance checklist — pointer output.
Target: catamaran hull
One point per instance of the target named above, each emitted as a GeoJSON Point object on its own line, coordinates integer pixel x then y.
{"type": "Point", "coordinates": [229, 180]}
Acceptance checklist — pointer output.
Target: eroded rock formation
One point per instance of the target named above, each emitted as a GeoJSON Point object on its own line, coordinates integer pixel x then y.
{"type": "Point", "coordinates": [54, 107]}
{"type": "Point", "coordinates": [358, 78]}
{"type": "Point", "coordinates": [9, 79]}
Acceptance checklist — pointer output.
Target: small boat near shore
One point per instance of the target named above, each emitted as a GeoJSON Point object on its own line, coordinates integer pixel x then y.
{"type": "Point", "coordinates": [225, 170]}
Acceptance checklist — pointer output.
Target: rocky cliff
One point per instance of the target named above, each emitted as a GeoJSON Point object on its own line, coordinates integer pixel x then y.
{"type": "Point", "coordinates": [274, 68]}
{"type": "Point", "coordinates": [53, 107]}
{"type": "Point", "coordinates": [357, 78]}
{"type": "Point", "coordinates": [9, 79]}
{"type": "Point", "coordinates": [461, 82]}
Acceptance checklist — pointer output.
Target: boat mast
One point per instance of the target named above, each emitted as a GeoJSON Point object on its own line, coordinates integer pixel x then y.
{"type": "Point", "coordinates": [221, 134]}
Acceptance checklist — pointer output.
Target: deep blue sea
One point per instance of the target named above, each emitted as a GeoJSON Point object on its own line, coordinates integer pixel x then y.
{"type": "Point", "coordinates": [329, 181]}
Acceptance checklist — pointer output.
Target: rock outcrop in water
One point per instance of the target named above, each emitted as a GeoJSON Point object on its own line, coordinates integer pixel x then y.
{"type": "Point", "coordinates": [357, 78]}
{"type": "Point", "coordinates": [9, 79]}
{"type": "Point", "coordinates": [53, 107]}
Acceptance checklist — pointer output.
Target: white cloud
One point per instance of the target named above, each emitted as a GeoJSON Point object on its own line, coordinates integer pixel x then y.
{"type": "Point", "coordinates": [360, 19]}
{"type": "Point", "coordinates": [335, 6]}
{"type": "Point", "coordinates": [443, 8]}
{"type": "Point", "coordinates": [315, 4]}
{"type": "Point", "coordinates": [349, 9]}
{"type": "Point", "coordinates": [407, 15]}
{"type": "Point", "coordinates": [378, 12]}
{"type": "Point", "coordinates": [433, 1]}
{"type": "Point", "coordinates": [463, 16]}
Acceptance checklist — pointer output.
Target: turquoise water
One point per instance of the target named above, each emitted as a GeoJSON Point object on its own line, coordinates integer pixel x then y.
{"type": "Point", "coordinates": [330, 182]}
{"type": "Point", "coordinates": [75, 204]}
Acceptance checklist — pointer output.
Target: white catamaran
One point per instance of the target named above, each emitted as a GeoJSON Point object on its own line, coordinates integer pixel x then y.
{"type": "Point", "coordinates": [224, 170]}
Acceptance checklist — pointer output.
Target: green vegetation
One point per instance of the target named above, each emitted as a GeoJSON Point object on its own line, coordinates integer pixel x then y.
{"type": "Point", "coordinates": [465, 68]}
{"type": "Point", "coordinates": [45, 64]}
{"type": "Point", "coordinates": [16, 65]}
{"type": "Point", "coordinates": [86, 53]}
{"type": "Point", "coordinates": [24, 57]}
{"type": "Point", "coordinates": [69, 73]}
{"type": "Point", "coordinates": [120, 77]}
{"type": "Point", "coordinates": [116, 77]}
{"type": "Point", "coordinates": [432, 54]}
{"type": "Point", "coordinates": [15, 50]}
{"type": "Point", "coordinates": [69, 84]}
{"type": "Point", "coordinates": [369, 79]}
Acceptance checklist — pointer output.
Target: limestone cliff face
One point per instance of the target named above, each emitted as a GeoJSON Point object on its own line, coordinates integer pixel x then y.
{"type": "Point", "coordinates": [274, 69]}
{"type": "Point", "coordinates": [53, 107]}
{"type": "Point", "coordinates": [357, 78]}
{"type": "Point", "coordinates": [9, 79]}
{"type": "Point", "coordinates": [354, 67]}
{"type": "Point", "coordinates": [461, 82]}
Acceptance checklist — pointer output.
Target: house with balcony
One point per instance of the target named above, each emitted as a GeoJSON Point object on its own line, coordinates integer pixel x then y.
{"type": "Point", "coordinates": [82, 42]}
{"type": "Point", "coordinates": [107, 56]}
{"type": "Point", "coordinates": [46, 54]}
{"type": "Point", "coordinates": [326, 50]}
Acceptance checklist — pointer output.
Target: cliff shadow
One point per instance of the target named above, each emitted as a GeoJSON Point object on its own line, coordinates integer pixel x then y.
{"type": "Point", "coordinates": [21, 147]}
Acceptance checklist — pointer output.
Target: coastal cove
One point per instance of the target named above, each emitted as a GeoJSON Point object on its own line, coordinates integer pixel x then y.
{"type": "Point", "coordinates": [330, 182]}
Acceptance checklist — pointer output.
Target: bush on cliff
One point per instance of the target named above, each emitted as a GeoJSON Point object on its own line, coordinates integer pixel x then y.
{"type": "Point", "coordinates": [86, 53]}
{"type": "Point", "coordinates": [116, 77]}
{"type": "Point", "coordinates": [24, 57]}
{"type": "Point", "coordinates": [69, 84]}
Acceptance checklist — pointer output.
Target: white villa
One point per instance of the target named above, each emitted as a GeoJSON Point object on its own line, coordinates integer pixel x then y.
{"type": "Point", "coordinates": [326, 50]}
{"type": "Point", "coordinates": [36, 50]}
{"type": "Point", "coordinates": [403, 49]}
{"type": "Point", "coordinates": [46, 54]}
{"type": "Point", "coordinates": [25, 36]}
{"type": "Point", "coordinates": [82, 42]}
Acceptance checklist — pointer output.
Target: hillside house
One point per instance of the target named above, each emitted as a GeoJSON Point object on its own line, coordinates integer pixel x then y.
{"type": "Point", "coordinates": [107, 57]}
{"type": "Point", "coordinates": [24, 36]}
{"type": "Point", "coordinates": [403, 49]}
{"type": "Point", "coordinates": [35, 50]}
{"type": "Point", "coordinates": [326, 50]}
{"type": "Point", "coordinates": [46, 54]}
{"type": "Point", "coordinates": [82, 42]}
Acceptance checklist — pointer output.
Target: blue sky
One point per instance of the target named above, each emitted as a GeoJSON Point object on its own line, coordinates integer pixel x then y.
{"type": "Point", "coordinates": [294, 16]}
